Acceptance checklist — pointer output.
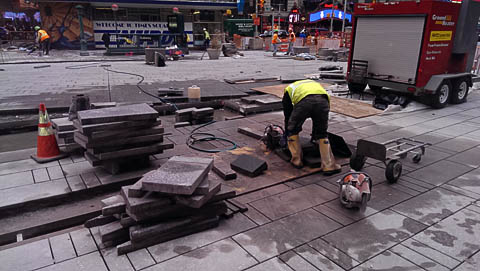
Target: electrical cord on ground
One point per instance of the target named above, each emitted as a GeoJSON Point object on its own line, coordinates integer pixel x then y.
{"type": "Point", "coordinates": [195, 137]}
{"type": "Point", "coordinates": [142, 78]}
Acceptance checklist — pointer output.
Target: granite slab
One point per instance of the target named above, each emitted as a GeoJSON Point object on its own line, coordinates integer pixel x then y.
{"type": "Point", "coordinates": [120, 113]}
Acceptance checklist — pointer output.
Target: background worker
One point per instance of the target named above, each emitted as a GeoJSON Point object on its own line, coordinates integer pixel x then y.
{"type": "Point", "coordinates": [206, 38]}
{"type": "Point", "coordinates": [291, 40]}
{"type": "Point", "coordinates": [308, 99]}
{"type": "Point", "coordinates": [275, 41]}
{"type": "Point", "coordinates": [43, 39]}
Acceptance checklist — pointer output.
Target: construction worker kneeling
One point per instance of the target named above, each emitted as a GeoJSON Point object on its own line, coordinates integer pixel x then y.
{"type": "Point", "coordinates": [308, 99]}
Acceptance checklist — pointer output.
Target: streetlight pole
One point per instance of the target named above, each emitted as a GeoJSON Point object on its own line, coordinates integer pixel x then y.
{"type": "Point", "coordinates": [331, 16]}
{"type": "Point", "coordinates": [83, 42]}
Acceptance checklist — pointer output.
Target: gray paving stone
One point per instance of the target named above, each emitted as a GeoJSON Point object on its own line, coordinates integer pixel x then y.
{"type": "Point", "coordinates": [296, 262]}
{"type": "Point", "coordinates": [177, 177]}
{"type": "Point", "coordinates": [430, 253]}
{"type": "Point", "coordinates": [88, 262]}
{"type": "Point", "coordinates": [456, 236]}
{"type": "Point", "coordinates": [457, 129]}
{"type": "Point", "coordinates": [26, 257]}
{"type": "Point", "coordinates": [140, 259]}
{"type": "Point", "coordinates": [83, 241]}
{"type": "Point", "coordinates": [469, 181]}
{"type": "Point", "coordinates": [112, 232]}
{"type": "Point", "coordinates": [40, 175]}
{"type": "Point", "coordinates": [331, 213]}
{"type": "Point", "coordinates": [277, 237]}
{"type": "Point", "coordinates": [23, 165]}
{"type": "Point", "coordinates": [113, 261]}
{"type": "Point", "coordinates": [256, 216]}
{"type": "Point", "coordinates": [226, 228]}
{"type": "Point", "coordinates": [335, 255]}
{"type": "Point", "coordinates": [197, 201]}
{"type": "Point", "coordinates": [431, 156]}
{"type": "Point", "coordinates": [76, 183]}
{"type": "Point", "coordinates": [417, 258]}
{"type": "Point", "coordinates": [55, 172]}
{"type": "Point", "coordinates": [16, 179]}
{"type": "Point", "coordinates": [470, 157]}
{"type": "Point", "coordinates": [470, 264]}
{"type": "Point", "coordinates": [432, 206]}
{"type": "Point", "coordinates": [373, 235]}
{"type": "Point", "coordinates": [222, 255]}
{"type": "Point", "coordinates": [458, 144]}
{"type": "Point", "coordinates": [260, 194]}
{"type": "Point", "coordinates": [293, 201]}
{"type": "Point", "coordinates": [272, 264]}
{"type": "Point", "coordinates": [62, 247]}
{"type": "Point", "coordinates": [440, 172]}
{"type": "Point", "coordinates": [27, 193]}
{"type": "Point", "coordinates": [120, 113]}
{"type": "Point", "coordinates": [249, 165]}
{"type": "Point", "coordinates": [147, 202]}
{"type": "Point", "coordinates": [432, 138]}
{"type": "Point", "coordinates": [318, 260]}
{"type": "Point", "coordinates": [387, 261]}
{"type": "Point", "coordinates": [90, 179]}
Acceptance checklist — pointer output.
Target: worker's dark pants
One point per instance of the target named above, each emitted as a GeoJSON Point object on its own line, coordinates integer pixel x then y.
{"type": "Point", "coordinates": [312, 106]}
{"type": "Point", "coordinates": [207, 43]}
{"type": "Point", "coordinates": [45, 46]}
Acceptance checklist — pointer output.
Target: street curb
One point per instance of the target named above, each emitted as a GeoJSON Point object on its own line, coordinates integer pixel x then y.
{"type": "Point", "coordinates": [74, 61]}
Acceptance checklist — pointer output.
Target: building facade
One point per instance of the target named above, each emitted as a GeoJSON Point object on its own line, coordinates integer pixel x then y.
{"type": "Point", "coordinates": [60, 18]}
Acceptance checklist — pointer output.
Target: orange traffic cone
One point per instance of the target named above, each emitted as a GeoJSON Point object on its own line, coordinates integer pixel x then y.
{"type": "Point", "coordinates": [47, 148]}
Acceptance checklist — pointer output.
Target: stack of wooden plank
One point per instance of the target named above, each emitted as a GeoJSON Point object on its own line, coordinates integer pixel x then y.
{"type": "Point", "coordinates": [64, 130]}
{"type": "Point", "coordinates": [117, 136]}
{"type": "Point", "coordinates": [178, 199]}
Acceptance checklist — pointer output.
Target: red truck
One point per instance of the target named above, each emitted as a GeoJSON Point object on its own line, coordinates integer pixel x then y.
{"type": "Point", "coordinates": [417, 47]}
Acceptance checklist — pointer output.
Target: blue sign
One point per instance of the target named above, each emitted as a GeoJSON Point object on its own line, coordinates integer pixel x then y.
{"type": "Point", "coordinates": [327, 13]}
{"type": "Point", "coordinates": [240, 5]}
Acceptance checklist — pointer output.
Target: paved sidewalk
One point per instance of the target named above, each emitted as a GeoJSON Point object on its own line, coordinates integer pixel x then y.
{"type": "Point", "coordinates": [429, 220]}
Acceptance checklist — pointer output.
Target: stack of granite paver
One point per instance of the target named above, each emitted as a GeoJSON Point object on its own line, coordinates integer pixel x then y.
{"type": "Point", "coordinates": [189, 116]}
{"type": "Point", "coordinates": [178, 199]}
{"type": "Point", "coordinates": [64, 130]}
{"type": "Point", "coordinates": [118, 136]}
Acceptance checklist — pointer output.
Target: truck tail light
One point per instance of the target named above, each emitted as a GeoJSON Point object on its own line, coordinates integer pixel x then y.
{"type": "Point", "coordinates": [411, 89]}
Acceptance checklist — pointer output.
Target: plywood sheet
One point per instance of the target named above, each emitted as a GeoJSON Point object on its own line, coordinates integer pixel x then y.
{"type": "Point", "coordinates": [344, 106]}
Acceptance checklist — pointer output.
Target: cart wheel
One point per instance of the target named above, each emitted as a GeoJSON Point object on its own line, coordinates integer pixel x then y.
{"type": "Point", "coordinates": [393, 171]}
{"type": "Point", "coordinates": [417, 158]}
{"type": "Point", "coordinates": [357, 161]}
{"type": "Point", "coordinates": [403, 155]}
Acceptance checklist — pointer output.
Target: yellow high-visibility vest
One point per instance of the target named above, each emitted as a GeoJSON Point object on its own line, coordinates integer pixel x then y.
{"type": "Point", "coordinates": [300, 89]}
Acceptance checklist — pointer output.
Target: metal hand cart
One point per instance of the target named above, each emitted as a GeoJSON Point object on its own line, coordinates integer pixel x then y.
{"type": "Point", "coordinates": [388, 152]}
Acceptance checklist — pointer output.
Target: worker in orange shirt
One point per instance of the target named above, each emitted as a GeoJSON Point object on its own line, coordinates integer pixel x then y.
{"type": "Point", "coordinates": [43, 39]}
{"type": "Point", "coordinates": [275, 41]}
{"type": "Point", "coordinates": [291, 40]}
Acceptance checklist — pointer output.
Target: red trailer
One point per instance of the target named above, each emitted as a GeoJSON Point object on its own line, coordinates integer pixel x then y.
{"type": "Point", "coordinates": [418, 47]}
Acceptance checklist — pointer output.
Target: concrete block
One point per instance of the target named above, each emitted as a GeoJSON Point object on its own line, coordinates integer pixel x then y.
{"type": "Point", "coordinates": [120, 113]}
{"type": "Point", "coordinates": [197, 201]}
{"type": "Point", "coordinates": [170, 92]}
{"type": "Point", "coordinates": [62, 124]}
{"type": "Point", "coordinates": [249, 165]}
{"type": "Point", "coordinates": [181, 124]}
{"type": "Point", "coordinates": [250, 132]}
{"type": "Point", "coordinates": [113, 205]}
{"type": "Point", "coordinates": [202, 112]}
{"type": "Point", "coordinates": [111, 231]}
{"type": "Point", "coordinates": [183, 118]}
{"type": "Point", "coordinates": [192, 228]}
{"type": "Point", "coordinates": [99, 105]}
{"type": "Point", "coordinates": [122, 141]}
{"type": "Point", "coordinates": [135, 151]}
{"type": "Point", "coordinates": [114, 128]}
{"type": "Point", "coordinates": [176, 177]}
{"type": "Point", "coordinates": [186, 111]}
{"type": "Point", "coordinates": [149, 201]}
{"type": "Point", "coordinates": [203, 188]}
{"type": "Point", "coordinates": [135, 190]}
{"type": "Point", "coordinates": [98, 221]}
{"type": "Point", "coordinates": [222, 169]}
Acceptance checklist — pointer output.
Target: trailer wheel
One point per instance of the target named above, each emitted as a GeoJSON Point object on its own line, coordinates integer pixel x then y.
{"type": "Point", "coordinates": [460, 91]}
{"type": "Point", "coordinates": [357, 88]}
{"type": "Point", "coordinates": [441, 98]}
